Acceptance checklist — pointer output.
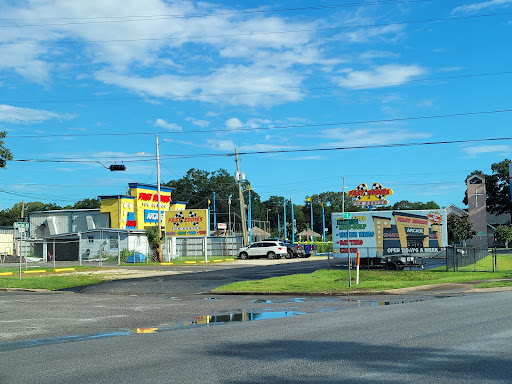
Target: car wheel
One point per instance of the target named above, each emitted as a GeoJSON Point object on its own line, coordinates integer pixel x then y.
{"type": "Point", "coordinates": [271, 255]}
{"type": "Point", "coordinates": [289, 254]}
{"type": "Point", "coordinates": [244, 256]}
{"type": "Point", "coordinates": [306, 256]}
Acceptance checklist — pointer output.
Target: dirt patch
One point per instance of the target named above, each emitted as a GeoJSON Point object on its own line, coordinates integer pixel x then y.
{"type": "Point", "coordinates": [119, 274]}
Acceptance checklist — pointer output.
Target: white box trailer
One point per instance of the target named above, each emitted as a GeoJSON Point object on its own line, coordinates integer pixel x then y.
{"type": "Point", "coordinates": [390, 239]}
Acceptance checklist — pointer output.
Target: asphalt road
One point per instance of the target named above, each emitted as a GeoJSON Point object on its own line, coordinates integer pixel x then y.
{"type": "Point", "coordinates": [93, 334]}
{"type": "Point", "coordinates": [463, 339]}
{"type": "Point", "coordinates": [164, 300]}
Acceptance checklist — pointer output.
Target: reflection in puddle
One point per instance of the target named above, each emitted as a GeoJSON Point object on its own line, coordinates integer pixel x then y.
{"type": "Point", "coordinates": [375, 303]}
{"type": "Point", "coordinates": [362, 303]}
{"type": "Point", "coordinates": [198, 321]}
{"type": "Point", "coordinates": [202, 321]}
{"type": "Point", "coordinates": [298, 300]}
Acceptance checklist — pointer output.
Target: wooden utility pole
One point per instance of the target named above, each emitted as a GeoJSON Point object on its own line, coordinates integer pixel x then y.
{"type": "Point", "coordinates": [242, 202]}
{"type": "Point", "coordinates": [158, 205]}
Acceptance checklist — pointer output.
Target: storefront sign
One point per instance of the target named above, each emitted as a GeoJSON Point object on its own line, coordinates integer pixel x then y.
{"type": "Point", "coordinates": [374, 196]}
{"type": "Point", "coordinates": [152, 216]}
{"type": "Point", "coordinates": [188, 222]}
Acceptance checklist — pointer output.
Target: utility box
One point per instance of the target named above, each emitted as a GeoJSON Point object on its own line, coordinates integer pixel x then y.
{"type": "Point", "coordinates": [136, 257]}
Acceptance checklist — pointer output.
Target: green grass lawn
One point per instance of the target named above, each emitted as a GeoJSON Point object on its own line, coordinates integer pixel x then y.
{"type": "Point", "coordinates": [334, 281]}
{"type": "Point", "coordinates": [322, 281]}
{"type": "Point", "coordinates": [503, 263]}
{"type": "Point", "coordinates": [50, 280]}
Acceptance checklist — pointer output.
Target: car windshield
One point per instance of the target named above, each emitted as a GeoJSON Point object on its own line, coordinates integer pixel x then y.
{"type": "Point", "coordinates": [282, 244]}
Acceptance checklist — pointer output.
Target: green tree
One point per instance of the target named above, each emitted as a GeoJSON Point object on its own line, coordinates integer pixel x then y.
{"type": "Point", "coordinates": [9, 216]}
{"type": "Point", "coordinates": [5, 154]}
{"type": "Point", "coordinates": [504, 233]}
{"type": "Point", "coordinates": [460, 229]}
{"type": "Point", "coordinates": [154, 243]}
{"type": "Point", "coordinates": [405, 204]}
{"type": "Point", "coordinates": [87, 204]}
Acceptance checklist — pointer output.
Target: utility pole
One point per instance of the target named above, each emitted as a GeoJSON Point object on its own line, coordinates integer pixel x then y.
{"type": "Point", "coordinates": [158, 205]}
{"type": "Point", "coordinates": [343, 196]}
{"type": "Point", "coordinates": [214, 214]}
{"type": "Point", "coordinates": [229, 215]}
{"type": "Point", "coordinates": [242, 203]}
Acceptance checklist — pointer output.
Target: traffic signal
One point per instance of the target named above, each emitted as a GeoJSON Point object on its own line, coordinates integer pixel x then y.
{"type": "Point", "coordinates": [117, 167]}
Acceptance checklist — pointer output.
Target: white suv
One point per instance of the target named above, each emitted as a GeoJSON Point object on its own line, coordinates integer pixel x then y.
{"type": "Point", "coordinates": [268, 248]}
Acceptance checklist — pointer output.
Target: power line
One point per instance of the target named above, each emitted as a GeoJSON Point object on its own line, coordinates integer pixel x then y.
{"type": "Point", "coordinates": [277, 151]}
{"type": "Point", "coordinates": [356, 122]}
{"type": "Point", "coordinates": [440, 78]}
{"type": "Point", "coordinates": [136, 18]}
{"type": "Point", "coordinates": [453, 18]}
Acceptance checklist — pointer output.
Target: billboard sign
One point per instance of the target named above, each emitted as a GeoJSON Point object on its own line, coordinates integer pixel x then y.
{"type": "Point", "coordinates": [187, 223]}
{"type": "Point", "coordinates": [374, 196]}
{"type": "Point", "coordinates": [388, 233]}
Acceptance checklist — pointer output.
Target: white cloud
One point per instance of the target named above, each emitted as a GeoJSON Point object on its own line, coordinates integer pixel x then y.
{"type": "Point", "coordinates": [476, 7]}
{"type": "Point", "coordinates": [11, 114]}
{"type": "Point", "coordinates": [165, 56]}
{"type": "Point", "coordinates": [483, 149]}
{"type": "Point", "coordinates": [346, 137]}
{"type": "Point", "coordinates": [221, 145]}
{"type": "Point", "coordinates": [234, 123]}
{"type": "Point", "coordinates": [199, 123]}
{"type": "Point", "coordinates": [164, 124]}
{"type": "Point", "coordinates": [234, 85]}
{"type": "Point", "coordinates": [381, 76]}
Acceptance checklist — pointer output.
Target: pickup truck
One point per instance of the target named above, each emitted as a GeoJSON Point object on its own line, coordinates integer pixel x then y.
{"type": "Point", "coordinates": [297, 250]}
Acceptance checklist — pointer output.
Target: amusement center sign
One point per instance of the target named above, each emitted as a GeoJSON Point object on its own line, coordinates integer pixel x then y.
{"type": "Point", "coordinates": [374, 196]}
{"type": "Point", "coordinates": [188, 222]}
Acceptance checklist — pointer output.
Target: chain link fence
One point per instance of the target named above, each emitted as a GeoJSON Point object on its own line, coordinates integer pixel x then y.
{"type": "Point", "coordinates": [192, 249]}
{"type": "Point", "coordinates": [479, 259]}
{"type": "Point", "coordinates": [458, 259]}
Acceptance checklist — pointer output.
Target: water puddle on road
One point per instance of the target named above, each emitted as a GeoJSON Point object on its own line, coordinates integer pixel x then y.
{"type": "Point", "coordinates": [196, 322]}
{"type": "Point", "coordinates": [201, 321]}
{"type": "Point", "coordinates": [361, 303]}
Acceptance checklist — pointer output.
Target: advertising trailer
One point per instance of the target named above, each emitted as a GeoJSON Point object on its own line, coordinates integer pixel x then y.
{"type": "Point", "coordinates": [394, 239]}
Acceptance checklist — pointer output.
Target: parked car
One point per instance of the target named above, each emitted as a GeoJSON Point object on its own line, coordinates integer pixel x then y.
{"type": "Point", "coordinates": [297, 250]}
{"type": "Point", "coordinates": [267, 248]}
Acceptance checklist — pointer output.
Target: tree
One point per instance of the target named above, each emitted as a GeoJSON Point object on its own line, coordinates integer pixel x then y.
{"type": "Point", "coordinates": [9, 216]}
{"type": "Point", "coordinates": [498, 189]}
{"type": "Point", "coordinates": [154, 243]}
{"type": "Point", "coordinates": [404, 204]}
{"type": "Point", "coordinates": [460, 228]}
{"type": "Point", "coordinates": [504, 233]}
{"type": "Point", "coordinates": [5, 154]}
{"type": "Point", "coordinates": [88, 204]}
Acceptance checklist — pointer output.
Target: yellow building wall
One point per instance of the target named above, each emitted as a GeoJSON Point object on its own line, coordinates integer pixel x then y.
{"type": "Point", "coordinates": [140, 209]}
{"type": "Point", "coordinates": [119, 209]}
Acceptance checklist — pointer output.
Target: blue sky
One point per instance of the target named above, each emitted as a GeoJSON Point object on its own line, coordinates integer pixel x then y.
{"type": "Point", "coordinates": [90, 83]}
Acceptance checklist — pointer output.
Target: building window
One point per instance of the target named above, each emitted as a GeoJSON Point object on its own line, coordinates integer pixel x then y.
{"type": "Point", "coordinates": [114, 242]}
{"type": "Point", "coordinates": [90, 239]}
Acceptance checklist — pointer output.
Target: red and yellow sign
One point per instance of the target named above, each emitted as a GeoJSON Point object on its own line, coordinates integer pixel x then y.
{"type": "Point", "coordinates": [187, 223]}
{"type": "Point", "coordinates": [374, 196]}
